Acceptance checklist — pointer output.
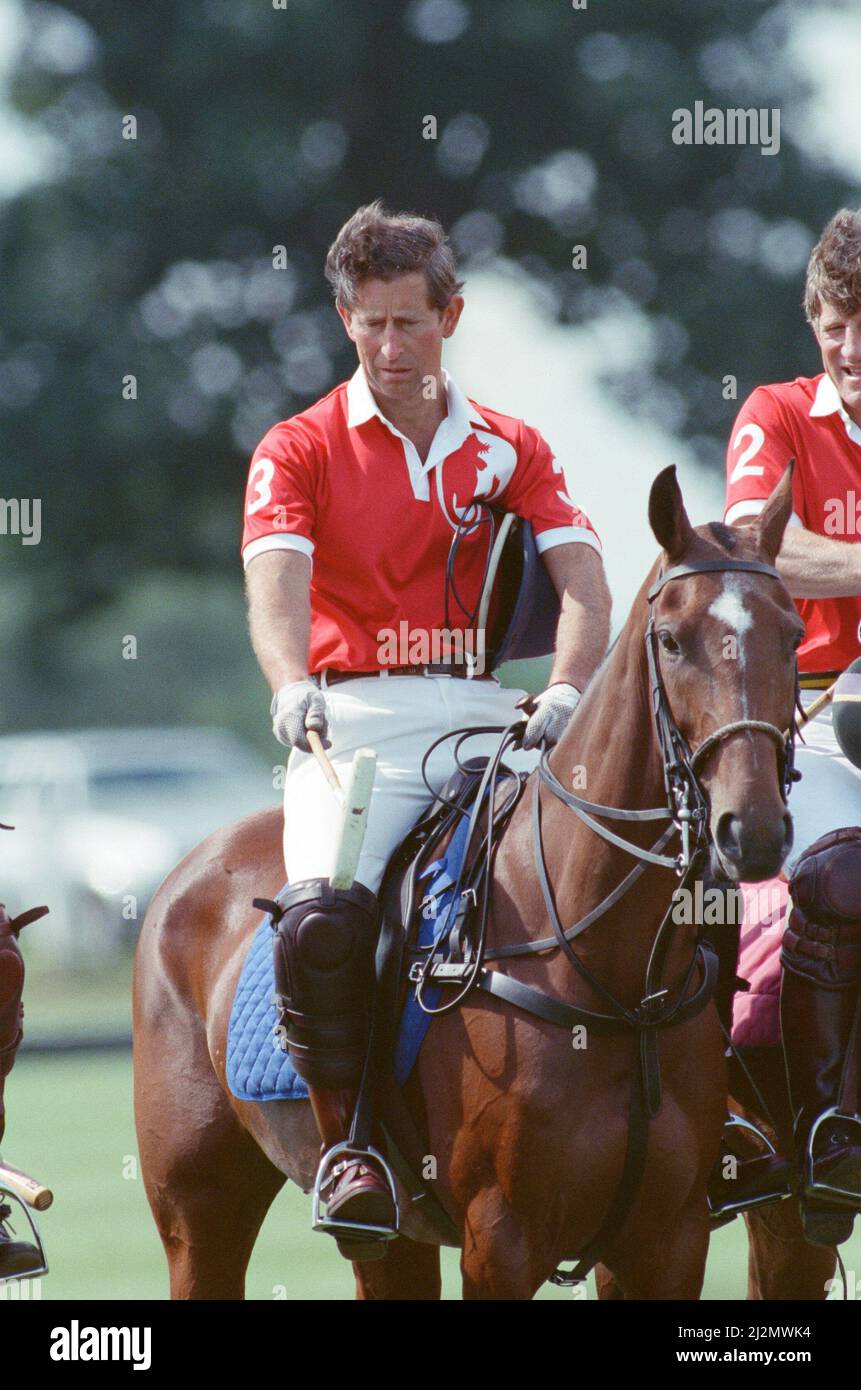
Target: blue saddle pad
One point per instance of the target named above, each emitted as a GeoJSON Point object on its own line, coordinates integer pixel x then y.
{"type": "Point", "coordinates": [257, 1067]}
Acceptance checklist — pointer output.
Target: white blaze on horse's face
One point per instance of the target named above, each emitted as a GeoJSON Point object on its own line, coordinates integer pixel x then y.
{"type": "Point", "coordinates": [729, 607]}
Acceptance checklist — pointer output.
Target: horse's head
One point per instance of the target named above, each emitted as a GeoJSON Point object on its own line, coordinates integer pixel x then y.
{"type": "Point", "coordinates": [725, 648]}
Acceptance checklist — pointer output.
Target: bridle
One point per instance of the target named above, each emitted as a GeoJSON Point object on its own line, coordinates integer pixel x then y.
{"type": "Point", "coordinates": [687, 803]}
{"type": "Point", "coordinates": [680, 763]}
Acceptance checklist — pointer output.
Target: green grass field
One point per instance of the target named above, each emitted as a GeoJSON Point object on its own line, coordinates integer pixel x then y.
{"type": "Point", "coordinates": [70, 1122]}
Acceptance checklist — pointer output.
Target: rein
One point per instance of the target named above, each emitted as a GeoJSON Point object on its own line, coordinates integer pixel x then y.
{"type": "Point", "coordinates": [686, 810]}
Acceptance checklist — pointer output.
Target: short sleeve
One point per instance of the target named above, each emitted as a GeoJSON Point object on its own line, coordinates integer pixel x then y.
{"type": "Point", "coordinates": [280, 506]}
{"type": "Point", "coordinates": [759, 449]}
{"type": "Point", "coordinates": [540, 492]}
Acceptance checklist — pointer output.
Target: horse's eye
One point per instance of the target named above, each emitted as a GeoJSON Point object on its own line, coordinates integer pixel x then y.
{"type": "Point", "coordinates": [669, 643]}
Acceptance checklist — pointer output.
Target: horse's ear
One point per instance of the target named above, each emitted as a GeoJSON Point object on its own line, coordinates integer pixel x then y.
{"type": "Point", "coordinates": [772, 520]}
{"type": "Point", "coordinates": [667, 516]}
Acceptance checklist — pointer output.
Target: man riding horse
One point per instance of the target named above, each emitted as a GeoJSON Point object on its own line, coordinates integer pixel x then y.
{"type": "Point", "coordinates": [817, 421]}
{"type": "Point", "coordinates": [352, 511]}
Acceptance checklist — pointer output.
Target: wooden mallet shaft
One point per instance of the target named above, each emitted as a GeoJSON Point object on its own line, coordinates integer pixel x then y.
{"type": "Point", "coordinates": [353, 801]}
{"type": "Point", "coordinates": [331, 776]}
{"type": "Point", "coordinates": [28, 1189]}
{"type": "Point", "coordinates": [818, 704]}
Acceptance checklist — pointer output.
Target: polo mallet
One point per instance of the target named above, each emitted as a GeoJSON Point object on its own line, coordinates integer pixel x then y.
{"type": "Point", "coordinates": [31, 1192]}
{"type": "Point", "coordinates": [812, 710]}
{"type": "Point", "coordinates": [353, 800]}
{"type": "Point", "coordinates": [18, 1258]}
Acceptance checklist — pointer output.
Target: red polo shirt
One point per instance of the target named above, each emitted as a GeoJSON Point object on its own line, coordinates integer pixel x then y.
{"type": "Point", "coordinates": [341, 484]}
{"type": "Point", "coordinates": [805, 420]}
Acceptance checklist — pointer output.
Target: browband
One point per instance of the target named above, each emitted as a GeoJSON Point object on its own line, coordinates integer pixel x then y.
{"type": "Point", "coordinates": [705, 566]}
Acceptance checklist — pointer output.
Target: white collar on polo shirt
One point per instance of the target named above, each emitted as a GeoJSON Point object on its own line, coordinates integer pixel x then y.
{"type": "Point", "coordinates": [452, 432]}
{"type": "Point", "coordinates": [827, 401]}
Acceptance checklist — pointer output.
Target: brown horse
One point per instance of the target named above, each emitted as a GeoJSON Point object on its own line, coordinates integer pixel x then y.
{"type": "Point", "coordinates": [529, 1133]}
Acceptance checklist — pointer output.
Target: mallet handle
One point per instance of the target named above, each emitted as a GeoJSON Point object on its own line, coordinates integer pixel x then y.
{"type": "Point", "coordinates": [25, 1187]}
{"type": "Point", "coordinates": [329, 772]}
{"type": "Point", "coordinates": [819, 703]}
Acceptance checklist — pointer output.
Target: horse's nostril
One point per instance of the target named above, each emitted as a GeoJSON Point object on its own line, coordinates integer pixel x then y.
{"type": "Point", "coordinates": [788, 832]}
{"type": "Point", "coordinates": [727, 836]}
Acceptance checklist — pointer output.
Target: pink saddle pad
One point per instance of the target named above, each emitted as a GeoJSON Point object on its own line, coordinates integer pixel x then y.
{"type": "Point", "coordinates": [756, 1014]}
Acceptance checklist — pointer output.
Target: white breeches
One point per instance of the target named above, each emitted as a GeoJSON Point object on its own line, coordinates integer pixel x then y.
{"type": "Point", "coordinates": [399, 717]}
{"type": "Point", "coordinates": [828, 796]}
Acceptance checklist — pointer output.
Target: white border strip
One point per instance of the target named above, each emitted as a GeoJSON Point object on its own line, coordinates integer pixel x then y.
{"type": "Point", "coordinates": [753, 507]}
{"type": "Point", "coordinates": [561, 535]}
{"type": "Point", "coordinates": [277, 542]}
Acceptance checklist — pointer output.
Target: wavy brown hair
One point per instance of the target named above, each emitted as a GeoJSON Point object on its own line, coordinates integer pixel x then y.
{"type": "Point", "coordinates": [379, 245]}
{"type": "Point", "coordinates": [834, 268]}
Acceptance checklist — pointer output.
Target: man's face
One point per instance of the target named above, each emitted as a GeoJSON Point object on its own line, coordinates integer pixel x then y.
{"type": "Point", "coordinates": [398, 335]}
{"type": "Point", "coordinates": [839, 337]}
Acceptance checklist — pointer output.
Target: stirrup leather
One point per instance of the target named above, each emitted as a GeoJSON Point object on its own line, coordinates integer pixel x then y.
{"type": "Point", "coordinates": [331, 1165]}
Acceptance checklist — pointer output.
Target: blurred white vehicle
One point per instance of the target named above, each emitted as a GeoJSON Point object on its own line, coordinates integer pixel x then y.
{"type": "Point", "coordinates": [102, 815]}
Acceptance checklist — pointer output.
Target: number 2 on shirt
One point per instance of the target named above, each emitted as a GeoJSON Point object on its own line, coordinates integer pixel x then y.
{"type": "Point", "coordinates": [744, 469]}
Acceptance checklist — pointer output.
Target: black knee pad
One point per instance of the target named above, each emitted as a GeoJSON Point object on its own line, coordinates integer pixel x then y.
{"type": "Point", "coordinates": [324, 979]}
{"type": "Point", "coordinates": [822, 941]}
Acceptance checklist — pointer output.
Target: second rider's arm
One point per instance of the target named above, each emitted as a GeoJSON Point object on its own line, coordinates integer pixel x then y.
{"type": "Point", "coordinates": [814, 566]}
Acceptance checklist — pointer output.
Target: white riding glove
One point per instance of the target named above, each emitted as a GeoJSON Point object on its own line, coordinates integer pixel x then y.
{"type": "Point", "coordinates": [553, 709]}
{"type": "Point", "coordinates": [296, 707]}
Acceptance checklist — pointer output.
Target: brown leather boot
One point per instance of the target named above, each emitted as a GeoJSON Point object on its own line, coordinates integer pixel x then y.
{"type": "Point", "coordinates": [817, 1026]}
{"type": "Point", "coordinates": [358, 1192]}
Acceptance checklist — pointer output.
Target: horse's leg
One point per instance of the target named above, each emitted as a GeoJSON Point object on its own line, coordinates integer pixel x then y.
{"type": "Point", "coordinates": [606, 1284]}
{"type": "Point", "coordinates": [409, 1271]}
{"type": "Point", "coordinates": [669, 1265]}
{"type": "Point", "coordinates": [209, 1184]}
{"type": "Point", "coordinates": [499, 1260]}
{"type": "Point", "coordinates": [781, 1264]}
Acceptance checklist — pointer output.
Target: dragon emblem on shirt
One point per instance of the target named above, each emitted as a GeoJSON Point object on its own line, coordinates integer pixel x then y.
{"type": "Point", "coordinates": [478, 472]}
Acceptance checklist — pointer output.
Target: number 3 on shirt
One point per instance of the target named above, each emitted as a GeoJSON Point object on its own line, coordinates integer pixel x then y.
{"type": "Point", "coordinates": [261, 477]}
{"type": "Point", "coordinates": [744, 469]}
